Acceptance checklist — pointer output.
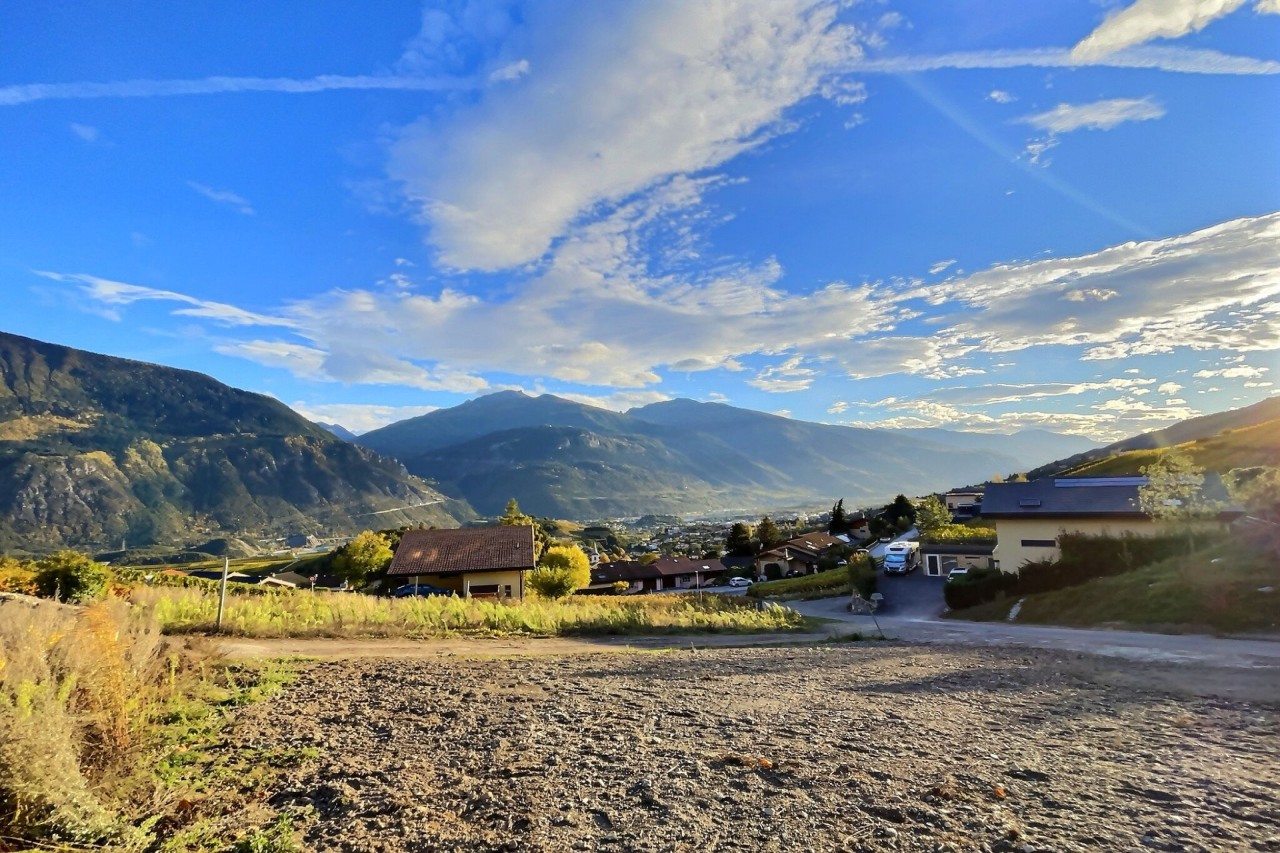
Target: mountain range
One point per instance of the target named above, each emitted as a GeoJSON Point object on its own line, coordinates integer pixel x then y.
{"type": "Point", "coordinates": [95, 450]}
{"type": "Point", "coordinates": [564, 459]}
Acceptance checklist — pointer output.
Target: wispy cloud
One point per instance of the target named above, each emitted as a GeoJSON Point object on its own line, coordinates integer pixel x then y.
{"type": "Point", "coordinates": [1098, 115]}
{"type": "Point", "coordinates": [938, 267]}
{"type": "Point", "coordinates": [118, 294]}
{"type": "Point", "coordinates": [1182, 60]}
{"type": "Point", "coordinates": [1146, 20]}
{"type": "Point", "coordinates": [84, 131]}
{"type": "Point", "coordinates": [27, 93]}
{"type": "Point", "coordinates": [1217, 289]}
{"type": "Point", "coordinates": [226, 197]}
{"type": "Point", "coordinates": [653, 92]}
{"type": "Point", "coordinates": [1000, 96]}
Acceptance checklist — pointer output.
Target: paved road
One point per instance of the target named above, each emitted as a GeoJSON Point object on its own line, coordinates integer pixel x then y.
{"type": "Point", "coordinates": [1131, 645]}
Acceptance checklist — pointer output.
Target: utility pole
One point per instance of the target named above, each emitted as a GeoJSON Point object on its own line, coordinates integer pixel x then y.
{"type": "Point", "coordinates": [222, 590]}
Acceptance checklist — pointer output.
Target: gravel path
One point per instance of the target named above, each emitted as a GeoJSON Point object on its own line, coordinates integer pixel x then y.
{"type": "Point", "coordinates": [871, 746]}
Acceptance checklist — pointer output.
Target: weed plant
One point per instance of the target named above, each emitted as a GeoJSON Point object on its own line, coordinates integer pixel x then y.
{"type": "Point", "coordinates": [294, 613]}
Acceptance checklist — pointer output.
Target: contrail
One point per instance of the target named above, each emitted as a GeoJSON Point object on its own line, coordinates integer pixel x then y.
{"type": "Point", "coordinates": [31, 92]}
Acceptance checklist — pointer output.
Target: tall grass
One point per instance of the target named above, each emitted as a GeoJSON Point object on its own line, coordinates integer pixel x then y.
{"type": "Point", "coordinates": [75, 688]}
{"type": "Point", "coordinates": [290, 613]}
{"type": "Point", "coordinates": [106, 729]}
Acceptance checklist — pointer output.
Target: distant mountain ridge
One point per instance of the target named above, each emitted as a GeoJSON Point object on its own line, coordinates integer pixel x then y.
{"type": "Point", "coordinates": [566, 459]}
{"type": "Point", "coordinates": [96, 449]}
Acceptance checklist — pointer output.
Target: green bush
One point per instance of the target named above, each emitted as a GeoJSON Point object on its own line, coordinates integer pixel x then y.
{"type": "Point", "coordinates": [976, 587]}
{"type": "Point", "coordinates": [863, 575]}
{"type": "Point", "coordinates": [1086, 557]}
{"type": "Point", "coordinates": [69, 576]}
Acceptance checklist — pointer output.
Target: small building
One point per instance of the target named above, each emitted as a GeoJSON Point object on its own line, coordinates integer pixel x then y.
{"type": "Point", "coordinates": [797, 555]}
{"type": "Point", "coordinates": [1031, 516]}
{"type": "Point", "coordinates": [471, 561]}
{"type": "Point", "coordinates": [940, 558]}
{"type": "Point", "coordinates": [953, 500]}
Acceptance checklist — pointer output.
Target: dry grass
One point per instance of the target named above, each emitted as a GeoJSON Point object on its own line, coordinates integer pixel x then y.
{"type": "Point", "coordinates": [306, 614]}
{"type": "Point", "coordinates": [74, 687]}
{"type": "Point", "coordinates": [98, 715]}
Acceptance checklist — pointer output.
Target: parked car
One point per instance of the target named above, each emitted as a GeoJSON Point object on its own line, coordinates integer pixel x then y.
{"type": "Point", "coordinates": [794, 573]}
{"type": "Point", "coordinates": [886, 538]}
{"type": "Point", "coordinates": [422, 589]}
{"type": "Point", "coordinates": [739, 581]}
{"type": "Point", "coordinates": [957, 573]}
{"type": "Point", "coordinates": [861, 552]}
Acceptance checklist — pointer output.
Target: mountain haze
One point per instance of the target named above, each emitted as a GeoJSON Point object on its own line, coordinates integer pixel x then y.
{"type": "Point", "coordinates": [96, 449]}
{"type": "Point", "coordinates": [566, 459]}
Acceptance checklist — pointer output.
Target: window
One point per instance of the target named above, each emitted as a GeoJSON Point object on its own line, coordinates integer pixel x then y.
{"type": "Point", "coordinates": [1039, 543]}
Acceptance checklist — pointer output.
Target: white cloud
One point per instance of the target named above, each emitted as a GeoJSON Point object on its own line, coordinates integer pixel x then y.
{"type": "Point", "coordinates": [225, 197]}
{"type": "Point", "coordinates": [359, 418]}
{"type": "Point", "coordinates": [513, 71]}
{"type": "Point", "coordinates": [1241, 372]}
{"type": "Point", "coordinates": [1037, 149]}
{"type": "Point", "coordinates": [838, 408]}
{"type": "Point", "coordinates": [1169, 388]}
{"type": "Point", "coordinates": [1098, 115]}
{"type": "Point", "coordinates": [784, 378]}
{"type": "Point", "coordinates": [1108, 421]}
{"type": "Point", "coordinates": [940, 266]}
{"type": "Point", "coordinates": [1213, 290]}
{"type": "Point", "coordinates": [86, 132]}
{"type": "Point", "coordinates": [986, 395]}
{"type": "Point", "coordinates": [1145, 20]}
{"type": "Point", "coordinates": [650, 92]}
{"type": "Point", "coordinates": [1000, 96]}
{"type": "Point", "coordinates": [1258, 384]}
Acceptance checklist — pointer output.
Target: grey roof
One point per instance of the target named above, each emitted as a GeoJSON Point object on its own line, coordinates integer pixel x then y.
{"type": "Point", "coordinates": [972, 549]}
{"type": "Point", "coordinates": [1072, 496]}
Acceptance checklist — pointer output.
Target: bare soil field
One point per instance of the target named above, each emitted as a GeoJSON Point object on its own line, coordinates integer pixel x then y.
{"type": "Point", "coordinates": [869, 746]}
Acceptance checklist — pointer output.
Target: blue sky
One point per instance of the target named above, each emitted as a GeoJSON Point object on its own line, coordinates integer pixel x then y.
{"type": "Point", "coordinates": [980, 214]}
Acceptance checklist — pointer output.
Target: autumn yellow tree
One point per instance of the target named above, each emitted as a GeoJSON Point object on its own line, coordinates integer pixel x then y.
{"type": "Point", "coordinates": [562, 571]}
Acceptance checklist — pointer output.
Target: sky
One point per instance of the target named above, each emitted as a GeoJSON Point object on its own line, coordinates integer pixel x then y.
{"type": "Point", "coordinates": [981, 214]}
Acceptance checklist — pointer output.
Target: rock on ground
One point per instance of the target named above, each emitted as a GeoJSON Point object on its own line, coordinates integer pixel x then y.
{"type": "Point", "coordinates": [862, 747]}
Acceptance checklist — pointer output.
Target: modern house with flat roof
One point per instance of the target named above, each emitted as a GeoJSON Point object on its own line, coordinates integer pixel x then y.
{"type": "Point", "coordinates": [1030, 516]}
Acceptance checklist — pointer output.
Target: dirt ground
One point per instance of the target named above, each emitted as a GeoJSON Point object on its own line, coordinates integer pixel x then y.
{"type": "Point", "coordinates": [865, 746]}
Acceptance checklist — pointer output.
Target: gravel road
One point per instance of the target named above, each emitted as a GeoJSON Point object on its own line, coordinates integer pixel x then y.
{"type": "Point", "coordinates": [867, 746]}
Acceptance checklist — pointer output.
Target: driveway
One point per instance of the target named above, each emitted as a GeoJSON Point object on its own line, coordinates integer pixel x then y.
{"type": "Point", "coordinates": [1131, 645]}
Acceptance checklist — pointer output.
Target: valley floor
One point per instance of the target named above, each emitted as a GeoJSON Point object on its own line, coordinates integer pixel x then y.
{"type": "Point", "coordinates": [867, 746]}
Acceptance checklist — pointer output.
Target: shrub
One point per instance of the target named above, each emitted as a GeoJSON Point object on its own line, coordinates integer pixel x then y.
{"type": "Point", "coordinates": [562, 571]}
{"type": "Point", "coordinates": [976, 587]}
{"type": "Point", "coordinates": [863, 575]}
{"type": "Point", "coordinates": [1086, 557]}
{"type": "Point", "coordinates": [69, 576]}
{"type": "Point", "coordinates": [16, 576]}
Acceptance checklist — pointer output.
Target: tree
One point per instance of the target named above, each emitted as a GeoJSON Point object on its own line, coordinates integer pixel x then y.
{"type": "Point", "coordinates": [767, 533]}
{"type": "Point", "coordinates": [513, 517]}
{"type": "Point", "coordinates": [901, 508]}
{"type": "Point", "coordinates": [562, 571]}
{"type": "Point", "coordinates": [932, 515]}
{"type": "Point", "coordinates": [1258, 491]}
{"type": "Point", "coordinates": [839, 521]}
{"type": "Point", "coordinates": [738, 542]}
{"type": "Point", "coordinates": [1173, 492]}
{"type": "Point", "coordinates": [363, 556]}
{"type": "Point", "coordinates": [69, 576]}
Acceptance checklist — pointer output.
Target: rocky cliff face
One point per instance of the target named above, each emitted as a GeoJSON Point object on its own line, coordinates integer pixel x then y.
{"type": "Point", "coordinates": [95, 449]}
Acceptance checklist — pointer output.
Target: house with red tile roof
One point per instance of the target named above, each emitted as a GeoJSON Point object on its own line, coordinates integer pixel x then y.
{"type": "Point", "coordinates": [472, 561]}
